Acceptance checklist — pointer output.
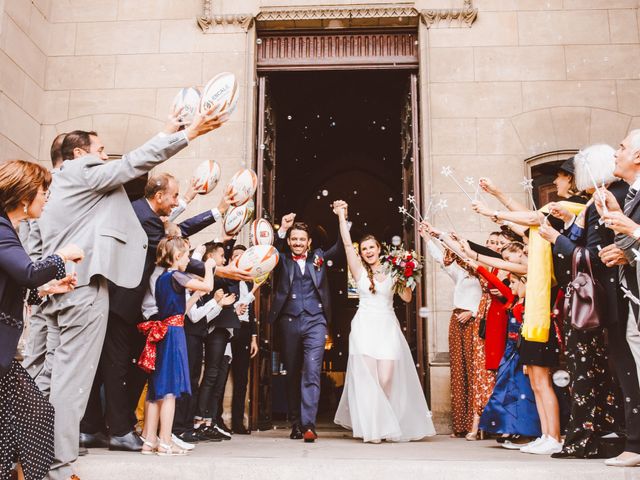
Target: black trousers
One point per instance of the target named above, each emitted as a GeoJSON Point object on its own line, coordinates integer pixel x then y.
{"type": "Point", "coordinates": [94, 419]}
{"type": "Point", "coordinates": [626, 371]}
{"type": "Point", "coordinates": [123, 380]}
{"type": "Point", "coordinates": [208, 393]}
{"type": "Point", "coordinates": [241, 350]}
{"type": "Point", "coordinates": [186, 405]}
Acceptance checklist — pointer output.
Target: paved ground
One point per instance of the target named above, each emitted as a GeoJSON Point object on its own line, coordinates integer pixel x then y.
{"type": "Point", "coordinates": [271, 455]}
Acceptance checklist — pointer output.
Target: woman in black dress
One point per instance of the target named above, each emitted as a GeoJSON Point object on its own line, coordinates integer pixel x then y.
{"type": "Point", "coordinates": [26, 417]}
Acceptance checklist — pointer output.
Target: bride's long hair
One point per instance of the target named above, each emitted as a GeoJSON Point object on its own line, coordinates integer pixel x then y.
{"type": "Point", "coordinates": [372, 286]}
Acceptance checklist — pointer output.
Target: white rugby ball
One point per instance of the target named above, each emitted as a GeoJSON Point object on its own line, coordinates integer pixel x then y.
{"type": "Point", "coordinates": [259, 260]}
{"type": "Point", "coordinates": [261, 232]}
{"type": "Point", "coordinates": [237, 217]}
{"type": "Point", "coordinates": [207, 176]}
{"type": "Point", "coordinates": [187, 100]}
{"type": "Point", "coordinates": [220, 95]}
{"type": "Point", "coordinates": [243, 185]}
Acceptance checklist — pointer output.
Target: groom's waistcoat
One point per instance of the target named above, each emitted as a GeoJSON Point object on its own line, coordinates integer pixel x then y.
{"type": "Point", "coordinates": [304, 296]}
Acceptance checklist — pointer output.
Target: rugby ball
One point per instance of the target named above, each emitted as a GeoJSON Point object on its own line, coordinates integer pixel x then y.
{"type": "Point", "coordinates": [237, 217]}
{"type": "Point", "coordinates": [187, 100]}
{"type": "Point", "coordinates": [243, 186]}
{"type": "Point", "coordinates": [258, 260]}
{"type": "Point", "coordinates": [220, 95]}
{"type": "Point", "coordinates": [207, 176]}
{"type": "Point", "coordinates": [261, 232]}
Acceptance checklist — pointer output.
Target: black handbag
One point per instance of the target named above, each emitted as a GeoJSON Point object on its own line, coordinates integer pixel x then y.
{"type": "Point", "coordinates": [10, 332]}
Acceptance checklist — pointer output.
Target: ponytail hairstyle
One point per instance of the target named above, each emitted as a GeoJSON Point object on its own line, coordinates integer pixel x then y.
{"type": "Point", "coordinates": [372, 286]}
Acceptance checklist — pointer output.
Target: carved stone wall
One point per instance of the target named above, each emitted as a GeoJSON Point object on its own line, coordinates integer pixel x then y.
{"type": "Point", "coordinates": [349, 15]}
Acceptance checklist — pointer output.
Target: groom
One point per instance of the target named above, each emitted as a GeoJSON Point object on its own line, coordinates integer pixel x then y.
{"type": "Point", "coordinates": [302, 308]}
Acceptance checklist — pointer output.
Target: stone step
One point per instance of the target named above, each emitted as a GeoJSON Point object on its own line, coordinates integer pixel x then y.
{"type": "Point", "coordinates": [336, 456]}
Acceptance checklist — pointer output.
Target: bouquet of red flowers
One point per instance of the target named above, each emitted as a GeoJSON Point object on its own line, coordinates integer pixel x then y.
{"type": "Point", "coordinates": [405, 266]}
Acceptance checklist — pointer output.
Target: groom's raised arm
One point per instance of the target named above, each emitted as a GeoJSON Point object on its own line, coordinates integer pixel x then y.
{"type": "Point", "coordinates": [281, 234]}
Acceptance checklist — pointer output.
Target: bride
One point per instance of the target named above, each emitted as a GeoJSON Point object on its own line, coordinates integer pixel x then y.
{"type": "Point", "coordinates": [382, 397]}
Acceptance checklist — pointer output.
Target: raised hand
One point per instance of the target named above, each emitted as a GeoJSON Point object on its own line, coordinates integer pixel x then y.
{"type": "Point", "coordinates": [287, 221]}
{"type": "Point", "coordinates": [547, 232]}
{"type": "Point", "coordinates": [174, 123]}
{"type": "Point", "coordinates": [558, 211]}
{"type": "Point", "coordinates": [233, 272]}
{"type": "Point", "coordinates": [204, 123]}
{"type": "Point", "coordinates": [226, 200]}
{"type": "Point", "coordinates": [481, 208]}
{"type": "Point", "coordinates": [620, 223]}
{"type": "Point", "coordinates": [192, 190]}
{"type": "Point", "coordinates": [488, 186]}
{"type": "Point", "coordinates": [71, 253]}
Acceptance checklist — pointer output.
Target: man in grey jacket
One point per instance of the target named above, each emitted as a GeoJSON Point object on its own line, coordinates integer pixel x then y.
{"type": "Point", "coordinates": [88, 204]}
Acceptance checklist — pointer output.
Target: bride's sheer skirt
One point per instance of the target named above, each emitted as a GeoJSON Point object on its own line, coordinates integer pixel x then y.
{"type": "Point", "coordinates": [382, 397]}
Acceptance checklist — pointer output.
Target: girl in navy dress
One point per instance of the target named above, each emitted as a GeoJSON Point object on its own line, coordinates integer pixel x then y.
{"type": "Point", "coordinates": [165, 354]}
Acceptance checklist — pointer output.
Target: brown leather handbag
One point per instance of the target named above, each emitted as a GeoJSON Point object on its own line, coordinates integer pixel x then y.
{"type": "Point", "coordinates": [585, 301]}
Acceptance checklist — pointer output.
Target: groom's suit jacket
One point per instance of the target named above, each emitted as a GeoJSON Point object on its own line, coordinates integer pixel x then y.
{"type": "Point", "coordinates": [284, 274]}
{"type": "Point", "coordinates": [89, 207]}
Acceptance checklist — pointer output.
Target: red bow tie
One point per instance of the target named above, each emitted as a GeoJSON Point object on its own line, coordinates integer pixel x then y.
{"type": "Point", "coordinates": [299, 257]}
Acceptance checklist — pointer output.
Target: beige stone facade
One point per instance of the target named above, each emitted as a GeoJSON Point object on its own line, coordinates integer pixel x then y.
{"type": "Point", "coordinates": [516, 79]}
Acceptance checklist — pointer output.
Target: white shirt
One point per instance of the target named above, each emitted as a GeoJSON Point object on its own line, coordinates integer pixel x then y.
{"type": "Point", "coordinates": [468, 291]}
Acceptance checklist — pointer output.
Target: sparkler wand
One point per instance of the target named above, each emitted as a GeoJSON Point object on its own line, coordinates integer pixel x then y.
{"type": "Point", "coordinates": [527, 184]}
{"type": "Point", "coordinates": [447, 171]}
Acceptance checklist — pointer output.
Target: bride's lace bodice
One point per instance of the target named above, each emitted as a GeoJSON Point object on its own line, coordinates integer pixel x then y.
{"type": "Point", "coordinates": [381, 300]}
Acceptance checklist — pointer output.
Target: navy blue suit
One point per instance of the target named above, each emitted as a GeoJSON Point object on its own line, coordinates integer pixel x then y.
{"type": "Point", "coordinates": [302, 308]}
{"type": "Point", "coordinates": [123, 381]}
{"type": "Point", "coordinates": [17, 272]}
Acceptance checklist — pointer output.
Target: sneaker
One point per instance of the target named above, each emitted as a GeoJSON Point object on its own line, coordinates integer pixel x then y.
{"type": "Point", "coordinates": [208, 434]}
{"type": "Point", "coordinates": [225, 435]}
{"type": "Point", "coordinates": [509, 445]}
{"type": "Point", "coordinates": [548, 447]}
{"type": "Point", "coordinates": [181, 443]}
{"type": "Point", "coordinates": [528, 446]}
{"type": "Point", "coordinates": [189, 436]}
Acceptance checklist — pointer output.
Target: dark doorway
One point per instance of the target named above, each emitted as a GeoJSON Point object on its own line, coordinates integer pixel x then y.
{"type": "Point", "coordinates": [338, 137]}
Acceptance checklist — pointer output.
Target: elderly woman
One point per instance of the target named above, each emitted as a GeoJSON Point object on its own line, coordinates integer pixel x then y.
{"type": "Point", "coordinates": [26, 417]}
{"type": "Point", "coordinates": [596, 407]}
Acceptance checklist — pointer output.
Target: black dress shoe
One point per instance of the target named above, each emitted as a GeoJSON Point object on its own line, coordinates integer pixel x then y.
{"type": "Point", "coordinates": [94, 440]}
{"type": "Point", "coordinates": [310, 434]}
{"type": "Point", "coordinates": [296, 432]}
{"type": "Point", "coordinates": [240, 430]}
{"type": "Point", "coordinates": [130, 442]}
{"type": "Point", "coordinates": [226, 435]}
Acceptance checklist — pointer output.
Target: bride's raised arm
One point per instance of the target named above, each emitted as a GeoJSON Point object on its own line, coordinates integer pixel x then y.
{"type": "Point", "coordinates": [353, 259]}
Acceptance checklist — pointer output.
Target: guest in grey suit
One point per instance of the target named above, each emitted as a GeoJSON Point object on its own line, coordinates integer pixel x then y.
{"type": "Point", "coordinates": [39, 346]}
{"type": "Point", "coordinates": [89, 205]}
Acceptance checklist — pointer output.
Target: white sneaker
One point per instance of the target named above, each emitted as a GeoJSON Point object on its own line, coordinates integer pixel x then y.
{"type": "Point", "coordinates": [548, 447]}
{"type": "Point", "coordinates": [181, 443]}
{"type": "Point", "coordinates": [527, 447]}
{"type": "Point", "coordinates": [509, 445]}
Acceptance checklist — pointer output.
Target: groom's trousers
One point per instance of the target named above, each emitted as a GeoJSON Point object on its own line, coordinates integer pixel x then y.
{"type": "Point", "coordinates": [303, 340]}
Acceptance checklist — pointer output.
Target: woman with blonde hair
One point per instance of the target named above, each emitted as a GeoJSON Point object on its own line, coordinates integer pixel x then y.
{"type": "Point", "coordinates": [26, 417]}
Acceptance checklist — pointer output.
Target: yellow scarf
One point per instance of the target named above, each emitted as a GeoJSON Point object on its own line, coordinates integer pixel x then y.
{"type": "Point", "coordinates": [540, 279]}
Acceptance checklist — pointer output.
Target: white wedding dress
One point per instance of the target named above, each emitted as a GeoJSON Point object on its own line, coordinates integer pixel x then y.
{"type": "Point", "coordinates": [401, 414]}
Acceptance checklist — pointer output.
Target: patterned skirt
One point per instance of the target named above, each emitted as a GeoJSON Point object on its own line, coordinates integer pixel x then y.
{"type": "Point", "coordinates": [26, 425]}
